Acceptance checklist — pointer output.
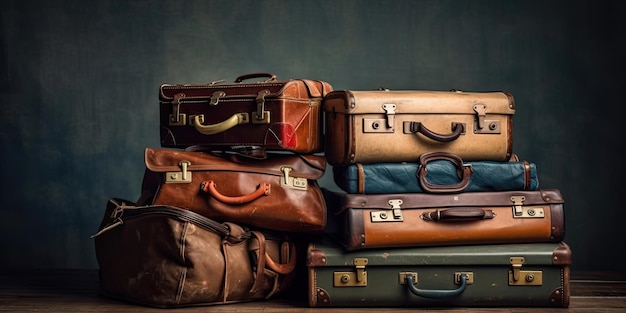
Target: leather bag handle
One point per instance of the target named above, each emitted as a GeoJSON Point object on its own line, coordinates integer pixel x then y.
{"type": "Point", "coordinates": [270, 77]}
{"type": "Point", "coordinates": [283, 268]}
{"type": "Point", "coordinates": [457, 214]}
{"type": "Point", "coordinates": [209, 187]}
{"type": "Point", "coordinates": [418, 127]}
{"type": "Point", "coordinates": [234, 120]}
{"type": "Point", "coordinates": [436, 293]}
{"type": "Point", "coordinates": [463, 172]}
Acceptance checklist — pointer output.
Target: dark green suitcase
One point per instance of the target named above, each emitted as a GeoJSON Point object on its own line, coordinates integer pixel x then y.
{"type": "Point", "coordinates": [502, 275]}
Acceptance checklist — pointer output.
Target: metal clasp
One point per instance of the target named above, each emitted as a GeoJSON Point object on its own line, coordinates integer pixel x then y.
{"type": "Point", "coordinates": [518, 277]}
{"type": "Point", "coordinates": [352, 279]}
{"type": "Point", "coordinates": [383, 216]}
{"type": "Point", "coordinates": [177, 118]}
{"type": "Point", "coordinates": [292, 182]}
{"type": "Point", "coordinates": [390, 112]}
{"type": "Point", "coordinates": [492, 126]}
{"type": "Point", "coordinates": [517, 205]}
{"type": "Point", "coordinates": [215, 98]}
{"type": "Point", "coordinates": [184, 176]}
{"type": "Point", "coordinates": [261, 116]}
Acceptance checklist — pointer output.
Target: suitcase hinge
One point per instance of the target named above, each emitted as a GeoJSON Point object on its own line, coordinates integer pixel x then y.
{"type": "Point", "coordinates": [261, 116]}
{"type": "Point", "coordinates": [177, 118]}
{"type": "Point", "coordinates": [292, 182]}
{"type": "Point", "coordinates": [383, 216]}
{"type": "Point", "coordinates": [390, 112]}
{"type": "Point", "coordinates": [184, 176]}
{"type": "Point", "coordinates": [352, 279]}
{"type": "Point", "coordinates": [519, 277]}
{"type": "Point", "coordinates": [492, 126]}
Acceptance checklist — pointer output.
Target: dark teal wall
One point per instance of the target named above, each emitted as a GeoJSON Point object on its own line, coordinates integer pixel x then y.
{"type": "Point", "coordinates": [79, 82]}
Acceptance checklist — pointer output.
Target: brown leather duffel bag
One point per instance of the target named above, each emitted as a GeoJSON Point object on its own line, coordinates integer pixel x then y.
{"type": "Point", "coordinates": [164, 256]}
{"type": "Point", "coordinates": [279, 192]}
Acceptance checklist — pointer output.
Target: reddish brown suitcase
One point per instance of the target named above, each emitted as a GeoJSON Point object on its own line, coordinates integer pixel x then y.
{"type": "Point", "coordinates": [270, 114]}
{"type": "Point", "coordinates": [419, 219]}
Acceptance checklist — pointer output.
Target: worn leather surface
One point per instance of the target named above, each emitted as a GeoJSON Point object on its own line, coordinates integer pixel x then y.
{"type": "Point", "coordinates": [381, 178]}
{"type": "Point", "coordinates": [164, 259]}
{"type": "Point", "coordinates": [349, 142]}
{"type": "Point", "coordinates": [354, 226]}
{"type": "Point", "coordinates": [294, 105]}
{"type": "Point", "coordinates": [283, 208]}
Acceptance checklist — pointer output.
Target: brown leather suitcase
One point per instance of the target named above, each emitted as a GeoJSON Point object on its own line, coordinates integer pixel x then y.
{"type": "Point", "coordinates": [270, 114]}
{"type": "Point", "coordinates": [279, 192]}
{"type": "Point", "coordinates": [400, 125]}
{"type": "Point", "coordinates": [363, 221]}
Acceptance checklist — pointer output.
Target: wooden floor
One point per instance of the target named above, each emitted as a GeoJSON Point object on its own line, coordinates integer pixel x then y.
{"type": "Point", "coordinates": [77, 291]}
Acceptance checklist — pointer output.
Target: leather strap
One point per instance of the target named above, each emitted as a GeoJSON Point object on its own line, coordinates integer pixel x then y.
{"type": "Point", "coordinates": [360, 178]}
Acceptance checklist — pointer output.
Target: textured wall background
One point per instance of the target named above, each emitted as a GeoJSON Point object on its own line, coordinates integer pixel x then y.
{"type": "Point", "coordinates": [79, 82]}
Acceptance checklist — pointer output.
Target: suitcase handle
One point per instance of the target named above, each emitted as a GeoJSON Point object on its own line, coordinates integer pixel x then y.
{"type": "Point", "coordinates": [463, 172]}
{"type": "Point", "coordinates": [458, 214]}
{"type": "Point", "coordinates": [209, 187]}
{"type": "Point", "coordinates": [435, 293]}
{"type": "Point", "coordinates": [234, 120]}
{"type": "Point", "coordinates": [418, 127]}
{"type": "Point", "coordinates": [270, 77]}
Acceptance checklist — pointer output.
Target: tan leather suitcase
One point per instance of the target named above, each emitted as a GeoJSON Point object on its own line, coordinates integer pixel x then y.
{"type": "Point", "coordinates": [400, 125]}
{"type": "Point", "coordinates": [255, 112]}
{"type": "Point", "coordinates": [419, 219]}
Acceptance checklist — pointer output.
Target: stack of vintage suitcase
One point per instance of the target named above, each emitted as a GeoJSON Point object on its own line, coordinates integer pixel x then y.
{"type": "Point", "coordinates": [224, 199]}
{"type": "Point", "coordinates": [436, 209]}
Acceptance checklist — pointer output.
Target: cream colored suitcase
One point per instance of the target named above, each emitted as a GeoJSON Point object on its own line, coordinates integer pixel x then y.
{"type": "Point", "coordinates": [400, 125]}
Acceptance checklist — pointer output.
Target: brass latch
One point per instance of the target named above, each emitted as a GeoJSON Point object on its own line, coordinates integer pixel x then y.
{"type": "Point", "coordinates": [384, 216]}
{"type": "Point", "coordinates": [519, 211]}
{"type": "Point", "coordinates": [519, 277]}
{"type": "Point", "coordinates": [177, 118]}
{"type": "Point", "coordinates": [482, 125]}
{"type": "Point", "coordinates": [215, 98]}
{"type": "Point", "coordinates": [292, 182]}
{"type": "Point", "coordinates": [184, 176]}
{"type": "Point", "coordinates": [261, 116]}
{"type": "Point", "coordinates": [517, 205]}
{"type": "Point", "coordinates": [352, 279]}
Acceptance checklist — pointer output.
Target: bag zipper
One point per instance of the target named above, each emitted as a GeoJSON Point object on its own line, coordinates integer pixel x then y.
{"type": "Point", "coordinates": [126, 213]}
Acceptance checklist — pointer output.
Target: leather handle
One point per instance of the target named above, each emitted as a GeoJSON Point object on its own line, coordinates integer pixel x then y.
{"type": "Point", "coordinates": [435, 293]}
{"type": "Point", "coordinates": [234, 120]}
{"type": "Point", "coordinates": [209, 187]}
{"type": "Point", "coordinates": [283, 268]}
{"type": "Point", "coordinates": [458, 214]}
{"type": "Point", "coordinates": [270, 77]}
{"type": "Point", "coordinates": [418, 127]}
{"type": "Point", "coordinates": [464, 172]}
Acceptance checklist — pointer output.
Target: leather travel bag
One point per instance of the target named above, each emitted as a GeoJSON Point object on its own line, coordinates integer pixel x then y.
{"type": "Point", "coordinates": [436, 172]}
{"type": "Point", "coordinates": [269, 114]}
{"type": "Point", "coordinates": [279, 192]}
{"type": "Point", "coordinates": [476, 276]}
{"type": "Point", "coordinates": [400, 125]}
{"type": "Point", "coordinates": [164, 256]}
{"type": "Point", "coordinates": [421, 219]}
